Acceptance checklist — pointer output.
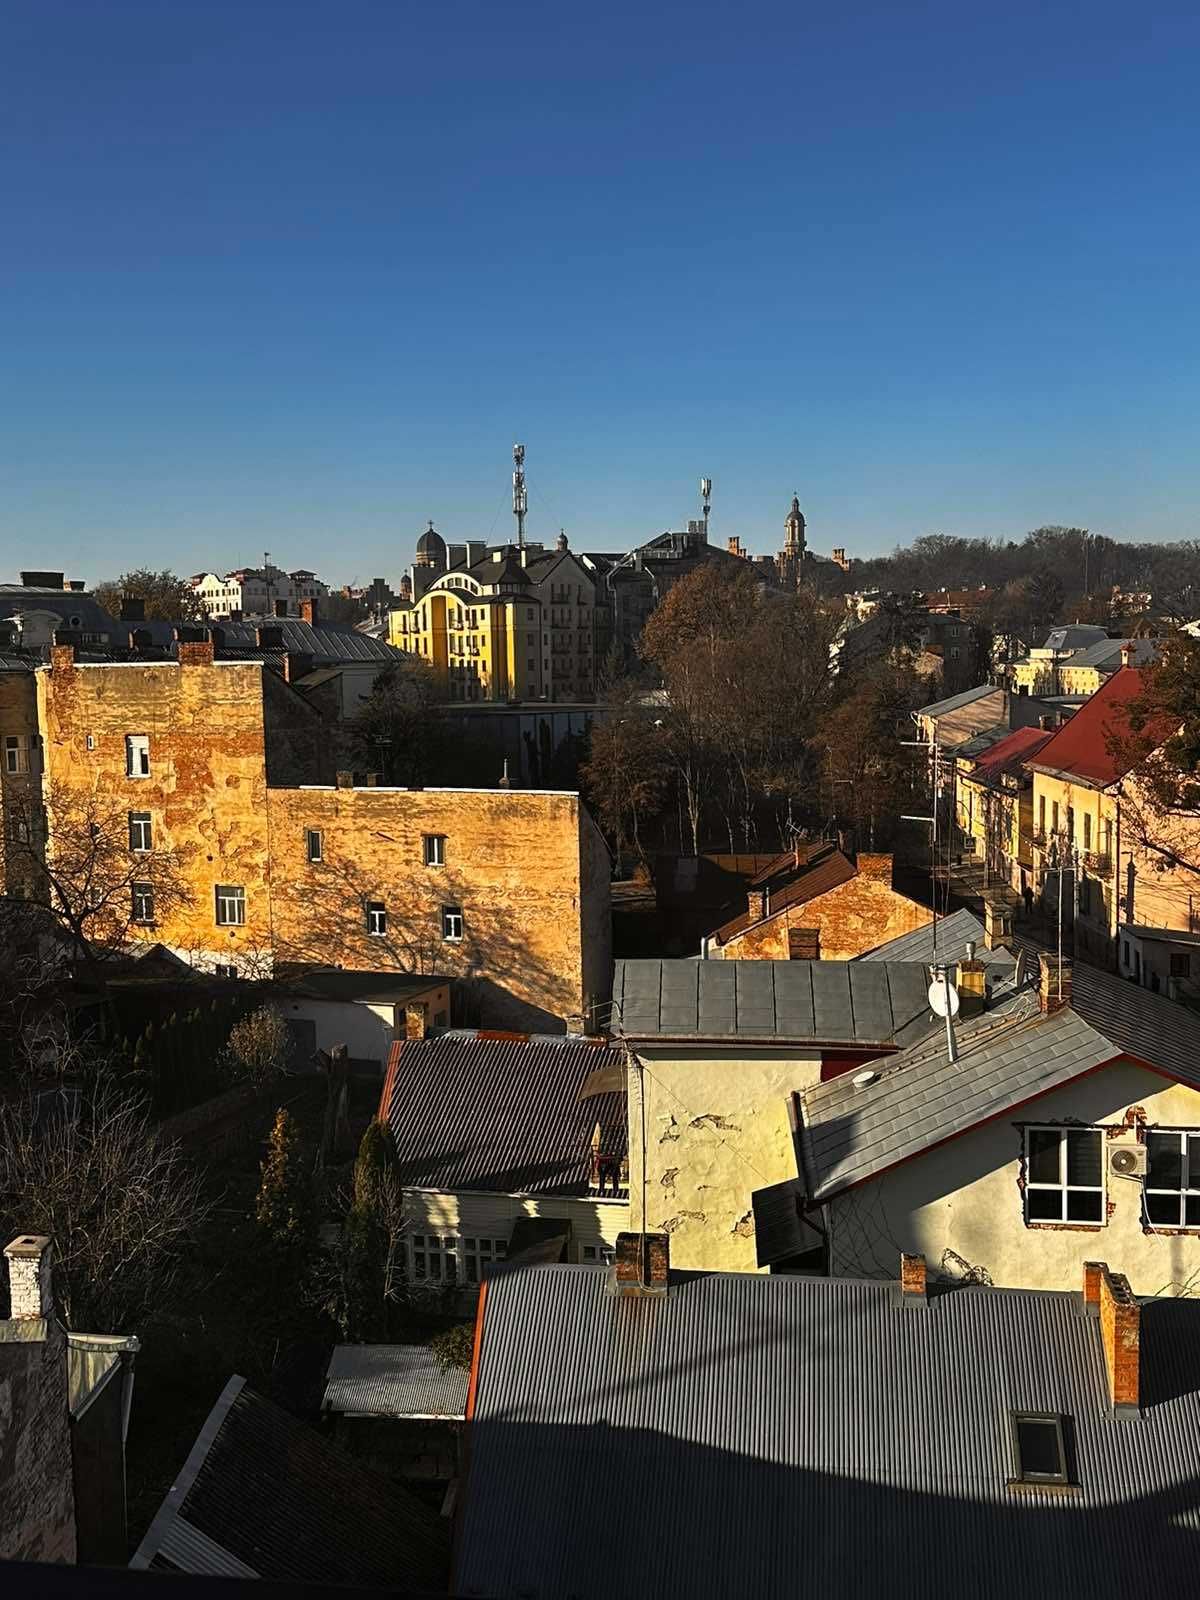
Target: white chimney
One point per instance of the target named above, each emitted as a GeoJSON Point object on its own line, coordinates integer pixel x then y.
{"type": "Point", "coordinates": [29, 1289]}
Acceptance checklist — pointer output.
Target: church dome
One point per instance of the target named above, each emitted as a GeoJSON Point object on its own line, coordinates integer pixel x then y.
{"type": "Point", "coordinates": [431, 548]}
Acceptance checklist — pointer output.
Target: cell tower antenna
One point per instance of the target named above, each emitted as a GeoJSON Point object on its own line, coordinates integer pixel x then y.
{"type": "Point", "coordinates": [706, 501]}
{"type": "Point", "coordinates": [520, 497]}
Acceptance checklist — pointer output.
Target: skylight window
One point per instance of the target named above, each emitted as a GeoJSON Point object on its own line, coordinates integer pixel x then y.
{"type": "Point", "coordinates": [1039, 1447]}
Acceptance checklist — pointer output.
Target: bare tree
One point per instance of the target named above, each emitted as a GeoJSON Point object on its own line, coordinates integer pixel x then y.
{"type": "Point", "coordinates": [260, 1045]}
{"type": "Point", "coordinates": [83, 1164]}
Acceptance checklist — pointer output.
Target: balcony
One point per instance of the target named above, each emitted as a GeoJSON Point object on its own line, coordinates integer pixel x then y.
{"type": "Point", "coordinates": [1097, 863]}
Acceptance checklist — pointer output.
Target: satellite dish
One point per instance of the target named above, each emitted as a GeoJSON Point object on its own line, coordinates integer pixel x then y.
{"type": "Point", "coordinates": [943, 998]}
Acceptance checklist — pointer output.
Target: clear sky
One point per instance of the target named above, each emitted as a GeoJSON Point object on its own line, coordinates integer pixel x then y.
{"type": "Point", "coordinates": [296, 275]}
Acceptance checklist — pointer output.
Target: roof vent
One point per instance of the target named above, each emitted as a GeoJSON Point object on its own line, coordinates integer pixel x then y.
{"type": "Point", "coordinates": [861, 1080]}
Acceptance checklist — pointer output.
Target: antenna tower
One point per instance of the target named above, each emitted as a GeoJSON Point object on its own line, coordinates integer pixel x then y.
{"type": "Point", "coordinates": [520, 497]}
{"type": "Point", "coordinates": [706, 502]}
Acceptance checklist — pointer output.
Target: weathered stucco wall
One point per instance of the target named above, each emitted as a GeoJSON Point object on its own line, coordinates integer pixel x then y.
{"type": "Point", "coordinates": [206, 790]}
{"type": "Point", "coordinates": [20, 793]}
{"type": "Point", "coordinates": [717, 1129]}
{"type": "Point", "coordinates": [966, 1198]}
{"type": "Point", "coordinates": [853, 918]}
{"type": "Point", "coordinates": [595, 923]}
{"type": "Point", "coordinates": [512, 866]}
{"type": "Point", "coordinates": [37, 1500]}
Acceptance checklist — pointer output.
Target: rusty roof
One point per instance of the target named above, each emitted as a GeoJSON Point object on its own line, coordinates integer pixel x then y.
{"type": "Point", "coordinates": [825, 869]}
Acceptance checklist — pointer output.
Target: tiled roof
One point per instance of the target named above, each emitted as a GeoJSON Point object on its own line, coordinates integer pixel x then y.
{"type": "Point", "coordinates": [790, 1436]}
{"type": "Point", "coordinates": [393, 1380]}
{"type": "Point", "coordinates": [1007, 757]}
{"type": "Point", "coordinates": [262, 1495]}
{"type": "Point", "coordinates": [1007, 1056]}
{"type": "Point", "coordinates": [953, 934]}
{"type": "Point", "coordinates": [816, 876]}
{"type": "Point", "coordinates": [814, 1002]}
{"type": "Point", "coordinates": [500, 1114]}
{"type": "Point", "coordinates": [1080, 748]}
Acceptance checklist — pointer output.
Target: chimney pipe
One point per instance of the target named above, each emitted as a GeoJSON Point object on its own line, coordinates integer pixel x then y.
{"type": "Point", "coordinates": [912, 1279]}
{"type": "Point", "coordinates": [1054, 983]}
{"type": "Point", "coordinates": [1120, 1333]}
{"type": "Point", "coordinates": [309, 612]}
{"type": "Point", "coordinates": [643, 1263]}
{"type": "Point", "coordinates": [29, 1286]}
{"type": "Point", "coordinates": [1127, 649]}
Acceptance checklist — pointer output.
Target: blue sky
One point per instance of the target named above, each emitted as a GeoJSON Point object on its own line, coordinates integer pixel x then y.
{"type": "Point", "coordinates": [295, 276]}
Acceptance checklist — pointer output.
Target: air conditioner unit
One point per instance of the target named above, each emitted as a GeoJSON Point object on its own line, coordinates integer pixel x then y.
{"type": "Point", "coordinates": [1127, 1160]}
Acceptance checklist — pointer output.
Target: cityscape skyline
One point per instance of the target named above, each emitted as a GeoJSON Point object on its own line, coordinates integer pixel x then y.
{"type": "Point", "coordinates": [297, 278]}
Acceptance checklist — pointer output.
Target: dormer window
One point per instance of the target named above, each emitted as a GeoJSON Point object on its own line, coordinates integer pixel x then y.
{"type": "Point", "coordinates": [1039, 1448]}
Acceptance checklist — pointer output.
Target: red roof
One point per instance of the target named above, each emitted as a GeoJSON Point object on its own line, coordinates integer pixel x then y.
{"type": "Point", "coordinates": [1007, 756]}
{"type": "Point", "coordinates": [825, 869]}
{"type": "Point", "coordinates": [1080, 748]}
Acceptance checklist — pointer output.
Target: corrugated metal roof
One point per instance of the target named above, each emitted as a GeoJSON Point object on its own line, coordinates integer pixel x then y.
{"type": "Point", "coordinates": [393, 1380]}
{"type": "Point", "coordinates": [1006, 1057]}
{"type": "Point", "coordinates": [843, 1002]}
{"type": "Point", "coordinates": [781, 1437]}
{"type": "Point", "coordinates": [956, 702]}
{"type": "Point", "coordinates": [265, 1492]}
{"type": "Point", "coordinates": [1107, 653]}
{"type": "Point", "coordinates": [499, 1114]}
{"type": "Point", "coordinates": [954, 933]}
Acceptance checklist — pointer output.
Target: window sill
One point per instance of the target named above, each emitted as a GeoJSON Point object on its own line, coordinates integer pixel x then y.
{"type": "Point", "coordinates": [1074, 1227]}
{"type": "Point", "coordinates": [1059, 1490]}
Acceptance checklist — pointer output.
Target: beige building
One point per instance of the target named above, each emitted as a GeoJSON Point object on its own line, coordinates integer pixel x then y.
{"type": "Point", "coordinates": [1067, 1130]}
{"type": "Point", "coordinates": [204, 783]}
{"type": "Point", "coordinates": [993, 806]}
{"type": "Point", "coordinates": [257, 591]}
{"type": "Point", "coordinates": [719, 1048]}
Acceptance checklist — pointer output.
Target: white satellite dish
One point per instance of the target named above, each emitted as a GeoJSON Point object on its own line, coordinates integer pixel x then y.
{"type": "Point", "coordinates": [943, 998]}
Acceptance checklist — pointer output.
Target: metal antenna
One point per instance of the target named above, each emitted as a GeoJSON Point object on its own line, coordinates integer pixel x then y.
{"type": "Point", "coordinates": [706, 501]}
{"type": "Point", "coordinates": [520, 497]}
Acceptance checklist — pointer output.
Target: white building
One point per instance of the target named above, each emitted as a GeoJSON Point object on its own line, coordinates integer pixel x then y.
{"type": "Point", "coordinates": [257, 591]}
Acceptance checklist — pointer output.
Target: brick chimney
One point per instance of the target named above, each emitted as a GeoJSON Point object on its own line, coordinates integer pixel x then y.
{"type": "Point", "coordinates": [281, 608]}
{"type": "Point", "coordinates": [414, 1020]}
{"type": "Point", "coordinates": [912, 1279]}
{"type": "Point", "coordinates": [1127, 649]}
{"type": "Point", "coordinates": [758, 904]}
{"type": "Point", "coordinates": [1054, 983]}
{"type": "Point", "coordinates": [62, 657]}
{"type": "Point", "coordinates": [29, 1288]}
{"type": "Point", "coordinates": [132, 609]}
{"type": "Point", "coordinates": [972, 986]}
{"type": "Point", "coordinates": [643, 1263]}
{"type": "Point", "coordinates": [1108, 1295]}
{"type": "Point", "coordinates": [308, 612]}
{"type": "Point", "coordinates": [297, 664]}
{"type": "Point", "coordinates": [997, 924]}
{"type": "Point", "coordinates": [195, 652]}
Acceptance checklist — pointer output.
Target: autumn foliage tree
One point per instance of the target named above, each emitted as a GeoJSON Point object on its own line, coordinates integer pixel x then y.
{"type": "Point", "coordinates": [166, 597]}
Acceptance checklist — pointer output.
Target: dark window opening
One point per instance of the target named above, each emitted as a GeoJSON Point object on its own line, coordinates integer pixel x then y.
{"type": "Point", "coordinates": [1039, 1447]}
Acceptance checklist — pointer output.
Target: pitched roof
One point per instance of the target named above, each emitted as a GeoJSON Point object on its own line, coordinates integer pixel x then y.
{"type": "Point", "coordinates": [785, 1436]}
{"type": "Point", "coordinates": [956, 702]}
{"type": "Point", "coordinates": [393, 1380]}
{"type": "Point", "coordinates": [501, 1113]}
{"type": "Point", "coordinates": [1080, 748]}
{"type": "Point", "coordinates": [262, 1495]}
{"type": "Point", "coordinates": [812, 1002]}
{"type": "Point", "coordinates": [953, 934]}
{"type": "Point", "coordinates": [1006, 1057]}
{"type": "Point", "coordinates": [1105, 654]}
{"type": "Point", "coordinates": [1075, 636]}
{"type": "Point", "coordinates": [1007, 757]}
{"type": "Point", "coordinates": [825, 869]}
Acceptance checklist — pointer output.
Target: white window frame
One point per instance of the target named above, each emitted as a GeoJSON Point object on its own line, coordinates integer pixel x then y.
{"type": "Point", "coordinates": [89, 741]}
{"type": "Point", "coordinates": [476, 1253]}
{"type": "Point", "coordinates": [1062, 1187]}
{"type": "Point", "coordinates": [141, 901]}
{"type": "Point", "coordinates": [230, 897]}
{"type": "Point", "coordinates": [433, 849]}
{"type": "Point", "coordinates": [449, 915]}
{"type": "Point", "coordinates": [137, 755]}
{"type": "Point", "coordinates": [376, 911]}
{"type": "Point", "coordinates": [429, 1251]}
{"type": "Point", "coordinates": [1189, 1179]}
{"type": "Point", "coordinates": [598, 1253]}
{"type": "Point", "coordinates": [317, 855]}
{"type": "Point", "coordinates": [141, 833]}
{"type": "Point", "coordinates": [16, 754]}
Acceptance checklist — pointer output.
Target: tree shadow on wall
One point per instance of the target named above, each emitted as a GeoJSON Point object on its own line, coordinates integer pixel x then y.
{"type": "Point", "coordinates": [499, 982]}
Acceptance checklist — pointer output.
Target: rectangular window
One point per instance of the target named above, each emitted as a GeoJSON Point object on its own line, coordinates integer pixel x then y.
{"type": "Point", "coordinates": [312, 844]}
{"type": "Point", "coordinates": [452, 923]}
{"type": "Point", "coordinates": [597, 1252]}
{"type": "Point", "coordinates": [16, 755]}
{"type": "Point", "coordinates": [140, 832]}
{"type": "Point", "coordinates": [1038, 1447]}
{"type": "Point", "coordinates": [480, 1253]}
{"type": "Point", "coordinates": [1181, 965]}
{"type": "Point", "coordinates": [1042, 815]}
{"type": "Point", "coordinates": [143, 901]}
{"type": "Point", "coordinates": [137, 755]}
{"type": "Point", "coordinates": [231, 905]}
{"type": "Point", "coordinates": [434, 1258]}
{"type": "Point", "coordinates": [1087, 830]}
{"type": "Point", "coordinates": [1054, 816]}
{"type": "Point", "coordinates": [1173, 1179]}
{"type": "Point", "coordinates": [376, 918]}
{"type": "Point", "coordinates": [224, 970]}
{"type": "Point", "coordinates": [1064, 1175]}
{"type": "Point", "coordinates": [90, 741]}
{"type": "Point", "coordinates": [435, 849]}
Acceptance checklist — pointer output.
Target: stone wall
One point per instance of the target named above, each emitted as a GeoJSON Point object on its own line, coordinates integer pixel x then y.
{"type": "Point", "coordinates": [857, 916]}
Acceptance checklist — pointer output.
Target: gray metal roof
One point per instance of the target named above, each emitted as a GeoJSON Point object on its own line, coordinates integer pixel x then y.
{"type": "Point", "coordinates": [501, 1115]}
{"type": "Point", "coordinates": [956, 702]}
{"type": "Point", "coordinates": [830, 1002]}
{"type": "Point", "coordinates": [954, 933]}
{"type": "Point", "coordinates": [1107, 653]}
{"type": "Point", "coordinates": [393, 1380]}
{"type": "Point", "coordinates": [1007, 1056]}
{"type": "Point", "coordinates": [787, 1436]}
